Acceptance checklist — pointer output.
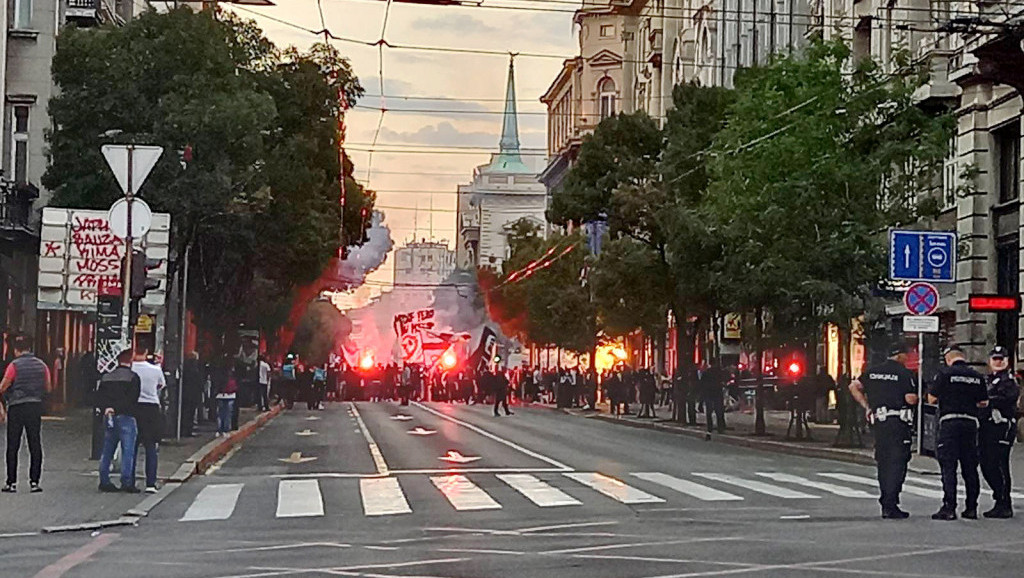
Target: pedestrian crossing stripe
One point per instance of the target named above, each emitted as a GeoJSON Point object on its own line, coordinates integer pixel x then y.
{"type": "Point", "coordinates": [386, 496]}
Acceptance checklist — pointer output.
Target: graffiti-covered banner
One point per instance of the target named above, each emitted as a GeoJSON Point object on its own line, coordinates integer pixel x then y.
{"type": "Point", "coordinates": [410, 329]}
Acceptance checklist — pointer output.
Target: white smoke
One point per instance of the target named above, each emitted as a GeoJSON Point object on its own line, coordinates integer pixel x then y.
{"type": "Point", "coordinates": [361, 260]}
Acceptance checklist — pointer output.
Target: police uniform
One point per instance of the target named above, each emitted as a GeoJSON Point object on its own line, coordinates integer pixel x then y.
{"type": "Point", "coordinates": [959, 389]}
{"type": "Point", "coordinates": [998, 430]}
{"type": "Point", "coordinates": [886, 386]}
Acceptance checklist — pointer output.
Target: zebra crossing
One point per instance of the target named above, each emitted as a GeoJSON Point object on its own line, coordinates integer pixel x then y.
{"type": "Point", "coordinates": [465, 492]}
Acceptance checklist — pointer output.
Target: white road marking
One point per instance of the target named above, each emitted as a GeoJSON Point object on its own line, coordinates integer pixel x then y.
{"type": "Point", "coordinates": [383, 497]}
{"type": "Point", "coordinates": [613, 488]}
{"type": "Point", "coordinates": [428, 471]}
{"type": "Point", "coordinates": [214, 502]}
{"type": "Point", "coordinates": [464, 494]}
{"type": "Point", "coordinates": [299, 499]}
{"type": "Point", "coordinates": [907, 489]}
{"type": "Point", "coordinates": [491, 436]}
{"type": "Point", "coordinates": [959, 487]}
{"type": "Point", "coordinates": [378, 458]}
{"type": "Point", "coordinates": [823, 486]}
{"type": "Point", "coordinates": [687, 487]}
{"type": "Point", "coordinates": [538, 492]}
{"type": "Point", "coordinates": [754, 485]}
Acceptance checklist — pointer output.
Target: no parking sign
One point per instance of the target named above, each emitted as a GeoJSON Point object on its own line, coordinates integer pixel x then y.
{"type": "Point", "coordinates": [921, 299]}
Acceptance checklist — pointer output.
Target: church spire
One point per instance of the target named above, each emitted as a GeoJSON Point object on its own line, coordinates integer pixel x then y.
{"type": "Point", "coordinates": [509, 159]}
{"type": "Point", "coordinates": [509, 143]}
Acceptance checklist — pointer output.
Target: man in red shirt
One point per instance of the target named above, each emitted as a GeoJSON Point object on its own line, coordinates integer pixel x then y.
{"type": "Point", "coordinates": [26, 380]}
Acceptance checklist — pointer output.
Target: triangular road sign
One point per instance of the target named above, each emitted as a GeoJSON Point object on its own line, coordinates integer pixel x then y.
{"type": "Point", "coordinates": [144, 158]}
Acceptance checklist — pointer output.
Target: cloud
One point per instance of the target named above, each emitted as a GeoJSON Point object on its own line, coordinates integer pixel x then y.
{"type": "Point", "coordinates": [461, 24]}
{"type": "Point", "coordinates": [441, 134]}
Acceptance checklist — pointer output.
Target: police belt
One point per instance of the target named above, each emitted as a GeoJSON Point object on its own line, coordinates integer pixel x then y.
{"type": "Point", "coordinates": [959, 416]}
{"type": "Point", "coordinates": [883, 413]}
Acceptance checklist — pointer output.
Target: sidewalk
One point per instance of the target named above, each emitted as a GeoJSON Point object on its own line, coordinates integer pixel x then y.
{"type": "Point", "coordinates": [69, 478]}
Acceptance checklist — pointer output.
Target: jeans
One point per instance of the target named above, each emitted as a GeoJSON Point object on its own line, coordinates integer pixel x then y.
{"type": "Point", "coordinates": [225, 407]}
{"type": "Point", "coordinates": [123, 432]}
{"type": "Point", "coordinates": [28, 417]}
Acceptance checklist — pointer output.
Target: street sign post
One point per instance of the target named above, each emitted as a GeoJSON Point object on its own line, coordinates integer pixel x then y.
{"type": "Point", "coordinates": [131, 165]}
{"type": "Point", "coordinates": [921, 299]}
{"type": "Point", "coordinates": [922, 256]}
{"type": "Point", "coordinates": [920, 324]}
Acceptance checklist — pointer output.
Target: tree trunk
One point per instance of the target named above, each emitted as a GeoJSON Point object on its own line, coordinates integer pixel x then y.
{"type": "Point", "coordinates": [759, 393]}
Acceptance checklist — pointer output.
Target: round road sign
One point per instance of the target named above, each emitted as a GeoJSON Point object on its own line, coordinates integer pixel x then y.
{"type": "Point", "coordinates": [921, 299]}
{"type": "Point", "coordinates": [142, 218]}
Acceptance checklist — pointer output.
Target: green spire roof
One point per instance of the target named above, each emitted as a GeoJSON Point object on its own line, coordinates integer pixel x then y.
{"type": "Point", "coordinates": [508, 159]}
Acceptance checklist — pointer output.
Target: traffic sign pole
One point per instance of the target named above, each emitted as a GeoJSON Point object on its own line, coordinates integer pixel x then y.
{"type": "Point", "coordinates": [126, 283]}
{"type": "Point", "coordinates": [920, 389]}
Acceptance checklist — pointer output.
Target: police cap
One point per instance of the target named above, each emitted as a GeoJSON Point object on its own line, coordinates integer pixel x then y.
{"type": "Point", "coordinates": [897, 349]}
{"type": "Point", "coordinates": [998, 352]}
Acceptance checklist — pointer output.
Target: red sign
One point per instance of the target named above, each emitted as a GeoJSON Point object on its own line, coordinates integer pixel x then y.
{"type": "Point", "coordinates": [921, 299]}
{"type": "Point", "coordinates": [993, 303]}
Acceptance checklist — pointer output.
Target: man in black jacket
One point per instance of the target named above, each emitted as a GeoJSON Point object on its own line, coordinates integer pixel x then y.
{"type": "Point", "coordinates": [116, 397]}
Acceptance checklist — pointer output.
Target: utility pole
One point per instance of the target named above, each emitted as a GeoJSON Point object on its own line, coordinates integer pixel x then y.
{"type": "Point", "coordinates": [126, 289]}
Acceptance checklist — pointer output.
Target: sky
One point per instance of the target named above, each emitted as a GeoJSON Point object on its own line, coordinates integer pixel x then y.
{"type": "Point", "coordinates": [474, 83]}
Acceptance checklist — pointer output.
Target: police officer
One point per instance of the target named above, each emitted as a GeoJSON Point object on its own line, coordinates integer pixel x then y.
{"type": "Point", "coordinates": [961, 393]}
{"type": "Point", "coordinates": [998, 431]}
{"type": "Point", "coordinates": [888, 394]}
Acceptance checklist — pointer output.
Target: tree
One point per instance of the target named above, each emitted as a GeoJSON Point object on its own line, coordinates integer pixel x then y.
{"type": "Point", "coordinates": [813, 164]}
{"type": "Point", "coordinates": [251, 168]}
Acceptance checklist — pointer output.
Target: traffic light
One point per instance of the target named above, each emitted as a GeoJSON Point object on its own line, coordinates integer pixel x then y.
{"type": "Point", "coordinates": [141, 281]}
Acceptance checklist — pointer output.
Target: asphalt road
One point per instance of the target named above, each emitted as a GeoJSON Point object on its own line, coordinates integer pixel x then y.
{"type": "Point", "coordinates": [536, 494]}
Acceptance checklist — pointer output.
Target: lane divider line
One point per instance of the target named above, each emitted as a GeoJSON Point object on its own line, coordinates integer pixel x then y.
{"type": "Point", "coordinates": [493, 437]}
{"type": "Point", "coordinates": [375, 453]}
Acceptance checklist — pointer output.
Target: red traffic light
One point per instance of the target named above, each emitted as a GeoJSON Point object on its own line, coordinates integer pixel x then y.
{"type": "Point", "coordinates": [993, 303]}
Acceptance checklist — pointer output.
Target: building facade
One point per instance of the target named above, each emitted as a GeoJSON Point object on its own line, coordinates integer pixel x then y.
{"type": "Point", "coordinates": [423, 263]}
{"type": "Point", "coordinates": [503, 192]}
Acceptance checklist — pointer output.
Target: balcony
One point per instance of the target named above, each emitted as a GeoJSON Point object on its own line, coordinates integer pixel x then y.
{"type": "Point", "coordinates": [935, 53]}
{"type": "Point", "coordinates": [655, 47]}
{"type": "Point", "coordinates": [16, 212]}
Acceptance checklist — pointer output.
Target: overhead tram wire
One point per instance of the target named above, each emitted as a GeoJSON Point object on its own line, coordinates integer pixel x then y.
{"type": "Point", "coordinates": [380, 75]}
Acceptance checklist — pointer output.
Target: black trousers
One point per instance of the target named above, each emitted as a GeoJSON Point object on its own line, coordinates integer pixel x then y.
{"type": "Point", "coordinates": [715, 404]}
{"type": "Point", "coordinates": [188, 416]}
{"type": "Point", "coordinates": [892, 454]}
{"type": "Point", "coordinates": [958, 444]}
{"type": "Point", "coordinates": [995, 443]}
{"type": "Point", "coordinates": [501, 398]}
{"type": "Point", "coordinates": [263, 396]}
{"type": "Point", "coordinates": [27, 417]}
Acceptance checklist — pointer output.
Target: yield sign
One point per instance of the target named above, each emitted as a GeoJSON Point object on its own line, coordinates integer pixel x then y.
{"type": "Point", "coordinates": [401, 417]}
{"type": "Point", "coordinates": [143, 157]}
{"type": "Point", "coordinates": [295, 458]}
{"type": "Point", "coordinates": [457, 458]}
{"type": "Point", "coordinates": [418, 431]}
{"type": "Point", "coordinates": [921, 299]}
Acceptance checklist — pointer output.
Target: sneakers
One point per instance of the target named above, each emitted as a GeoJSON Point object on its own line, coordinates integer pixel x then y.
{"type": "Point", "coordinates": [9, 488]}
{"type": "Point", "coordinates": [999, 512]}
{"type": "Point", "coordinates": [34, 488]}
{"type": "Point", "coordinates": [894, 514]}
{"type": "Point", "coordinates": [109, 488]}
{"type": "Point", "coordinates": [969, 514]}
{"type": "Point", "coordinates": [151, 489]}
{"type": "Point", "coordinates": [944, 514]}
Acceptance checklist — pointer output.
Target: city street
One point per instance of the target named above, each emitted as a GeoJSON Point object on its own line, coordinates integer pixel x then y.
{"type": "Point", "coordinates": [448, 490]}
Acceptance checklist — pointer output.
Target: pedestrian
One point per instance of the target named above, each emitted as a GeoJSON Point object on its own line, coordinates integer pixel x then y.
{"type": "Point", "coordinates": [226, 397]}
{"type": "Point", "coordinates": [961, 393]}
{"type": "Point", "coordinates": [499, 384]}
{"type": "Point", "coordinates": [26, 380]}
{"type": "Point", "coordinates": [887, 393]}
{"type": "Point", "coordinates": [191, 392]}
{"type": "Point", "coordinates": [148, 417]}
{"type": "Point", "coordinates": [264, 383]}
{"type": "Point", "coordinates": [998, 431]}
{"type": "Point", "coordinates": [117, 396]}
{"type": "Point", "coordinates": [648, 391]}
{"type": "Point", "coordinates": [712, 385]}
{"type": "Point", "coordinates": [319, 387]}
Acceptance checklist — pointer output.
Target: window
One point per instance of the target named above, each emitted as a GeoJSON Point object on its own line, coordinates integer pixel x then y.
{"type": "Point", "coordinates": [19, 143]}
{"type": "Point", "coordinates": [1007, 141]}
{"type": "Point", "coordinates": [606, 97]}
{"type": "Point", "coordinates": [607, 30]}
{"type": "Point", "coordinates": [22, 14]}
{"type": "Point", "coordinates": [950, 177]}
{"type": "Point", "coordinates": [705, 48]}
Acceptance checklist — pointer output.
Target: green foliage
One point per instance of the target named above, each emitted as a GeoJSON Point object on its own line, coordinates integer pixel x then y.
{"type": "Point", "coordinates": [259, 202]}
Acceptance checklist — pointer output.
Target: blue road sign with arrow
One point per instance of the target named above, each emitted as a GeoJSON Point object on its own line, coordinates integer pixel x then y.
{"type": "Point", "coordinates": [922, 256]}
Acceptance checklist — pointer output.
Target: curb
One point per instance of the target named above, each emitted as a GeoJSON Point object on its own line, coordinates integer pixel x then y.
{"type": "Point", "coordinates": [122, 521]}
{"type": "Point", "coordinates": [199, 462]}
